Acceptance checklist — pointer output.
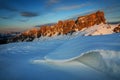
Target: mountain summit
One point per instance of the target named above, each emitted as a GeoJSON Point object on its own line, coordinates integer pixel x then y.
{"type": "Point", "coordinates": [63, 27]}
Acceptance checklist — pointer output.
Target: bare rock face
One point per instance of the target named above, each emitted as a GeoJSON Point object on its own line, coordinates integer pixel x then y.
{"type": "Point", "coordinates": [68, 26]}
{"type": "Point", "coordinates": [63, 27]}
{"type": "Point", "coordinates": [90, 20]}
{"type": "Point", "coordinates": [117, 29]}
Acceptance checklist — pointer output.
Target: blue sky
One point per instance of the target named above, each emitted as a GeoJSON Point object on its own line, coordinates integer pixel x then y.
{"type": "Point", "coordinates": [17, 15]}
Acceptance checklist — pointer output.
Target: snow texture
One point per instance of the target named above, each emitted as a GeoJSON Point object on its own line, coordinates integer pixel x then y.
{"type": "Point", "coordinates": [64, 57]}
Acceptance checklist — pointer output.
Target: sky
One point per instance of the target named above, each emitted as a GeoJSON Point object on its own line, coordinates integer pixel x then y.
{"type": "Point", "coordinates": [20, 15]}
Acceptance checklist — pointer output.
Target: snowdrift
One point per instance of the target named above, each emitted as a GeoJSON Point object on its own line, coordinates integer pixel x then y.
{"type": "Point", "coordinates": [69, 56]}
{"type": "Point", "coordinates": [99, 52]}
{"type": "Point", "coordinates": [78, 46]}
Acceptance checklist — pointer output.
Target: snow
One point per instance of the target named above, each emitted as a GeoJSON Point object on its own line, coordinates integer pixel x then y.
{"type": "Point", "coordinates": [64, 57]}
{"type": "Point", "coordinates": [79, 45]}
{"type": "Point", "coordinates": [101, 29]}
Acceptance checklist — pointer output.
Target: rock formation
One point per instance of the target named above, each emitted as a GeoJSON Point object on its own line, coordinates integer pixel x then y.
{"type": "Point", "coordinates": [90, 20]}
{"type": "Point", "coordinates": [63, 27]}
{"type": "Point", "coordinates": [117, 29]}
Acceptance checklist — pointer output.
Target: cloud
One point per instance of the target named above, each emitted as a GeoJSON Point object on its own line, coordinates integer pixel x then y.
{"type": "Point", "coordinates": [23, 20]}
{"type": "Point", "coordinates": [6, 17]}
{"type": "Point", "coordinates": [28, 14]}
{"type": "Point", "coordinates": [51, 2]}
{"type": "Point", "coordinates": [9, 17]}
{"type": "Point", "coordinates": [12, 29]}
{"type": "Point", "coordinates": [112, 8]}
{"type": "Point", "coordinates": [81, 13]}
{"type": "Point", "coordinates": [113, 22]}
{"type": "Point", "coordinates": [72, 7]}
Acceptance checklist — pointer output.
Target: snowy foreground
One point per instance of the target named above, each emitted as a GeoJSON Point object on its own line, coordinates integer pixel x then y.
{"type": "Point", "coordinates": [62, 58]}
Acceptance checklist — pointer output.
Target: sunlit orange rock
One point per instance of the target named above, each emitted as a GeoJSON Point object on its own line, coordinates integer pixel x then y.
{"type": "Point", "coordinates": [64, 27]}
{"type": "Point", "coordinates": [90, 20]}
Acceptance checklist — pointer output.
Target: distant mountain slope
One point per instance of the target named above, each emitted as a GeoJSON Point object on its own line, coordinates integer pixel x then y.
{"type": "Point", "coordinates": [91, 24]}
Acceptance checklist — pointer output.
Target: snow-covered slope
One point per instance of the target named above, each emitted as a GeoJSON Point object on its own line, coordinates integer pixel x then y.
{"type": "Point", "coordinates": [101, 29]}
{"type": "Point", "coordinates": [61, 58]}
{"type": "Point", "coordinates": [99, 52]}
{"type": "Point", "coordinates": [79, 45]}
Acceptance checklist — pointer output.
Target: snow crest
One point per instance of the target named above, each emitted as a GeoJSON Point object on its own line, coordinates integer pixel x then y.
{"type": "Point", "coordinates": [99, 52]}
{"type": "Point", "coordinates": [80, 45]}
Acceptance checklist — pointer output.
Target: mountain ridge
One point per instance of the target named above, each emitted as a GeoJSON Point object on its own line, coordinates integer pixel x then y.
{"type": "Point", "coordinates": [62, 27]}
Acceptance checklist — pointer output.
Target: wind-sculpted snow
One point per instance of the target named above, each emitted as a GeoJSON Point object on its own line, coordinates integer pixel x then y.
{"type": "Point", "coordinates": [106, 61]}
{"type": "Point", "coordinates": [73, 57]}
{"type": "Point", "coordinates": [78, 46]}
{"type": "Point", "coordinates": [99, 52]}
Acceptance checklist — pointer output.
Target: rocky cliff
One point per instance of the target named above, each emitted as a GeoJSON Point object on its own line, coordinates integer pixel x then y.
{"type": "Point", "coordinates": [67, 26]}
{"type": "Point", "coordinates": [62, 27]}
{"type": "Point", "coordinates": [117, 29]}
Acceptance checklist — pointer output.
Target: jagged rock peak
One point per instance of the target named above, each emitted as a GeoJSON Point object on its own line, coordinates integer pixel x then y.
{"type": "Point", "coordinates": [63, 27]}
